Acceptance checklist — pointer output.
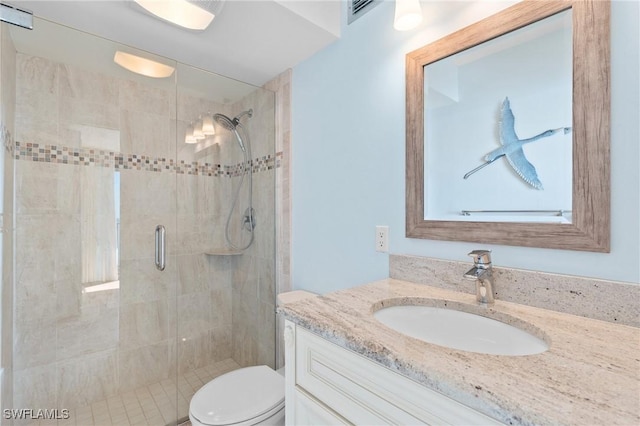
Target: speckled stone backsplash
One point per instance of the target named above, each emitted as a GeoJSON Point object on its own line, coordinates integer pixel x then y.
{"type": "Point", "coordinates": [592, 298]}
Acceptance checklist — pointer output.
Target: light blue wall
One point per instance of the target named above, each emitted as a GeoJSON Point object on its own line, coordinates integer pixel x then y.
{"type": "Point", "coordinates": [348, 154]}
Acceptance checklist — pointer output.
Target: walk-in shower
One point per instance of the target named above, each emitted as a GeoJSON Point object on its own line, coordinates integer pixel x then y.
{"type": "Point", "coordinates": [94, 160]}
{"type": "Point", "coordinates": [248, 220]}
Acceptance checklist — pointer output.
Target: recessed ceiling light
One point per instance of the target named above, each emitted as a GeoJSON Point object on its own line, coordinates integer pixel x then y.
{"type": "Point", "coordinates": [194, 14]}
{"type": "Point", "coordinates": [142, 66]}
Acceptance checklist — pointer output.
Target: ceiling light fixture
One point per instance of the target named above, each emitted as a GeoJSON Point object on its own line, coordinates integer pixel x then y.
{"type": "Point", "coordinates": [408, 15]}
{"type": "Point", "coordinates": [142, 66]}
{"type": "Point", "coordinates": [188, 137]}
{"type": "Point", "coordinates": [208, 128]}
{"type": "Point", "coordinates": [197, 130]}
{"type": "Point", "coordinates": [190, 14]}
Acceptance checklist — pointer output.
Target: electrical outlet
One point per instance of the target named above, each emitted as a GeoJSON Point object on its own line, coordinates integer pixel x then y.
{"type": "Point", "coordinates": [382, 239]}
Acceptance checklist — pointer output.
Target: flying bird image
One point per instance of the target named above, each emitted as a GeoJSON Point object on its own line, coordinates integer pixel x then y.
{"type": "Point", "coordinates": [512, 147]}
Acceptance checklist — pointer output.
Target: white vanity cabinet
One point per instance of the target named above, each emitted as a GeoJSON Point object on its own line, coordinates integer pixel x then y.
{"type": "Point", "coordinates": [327, 384]}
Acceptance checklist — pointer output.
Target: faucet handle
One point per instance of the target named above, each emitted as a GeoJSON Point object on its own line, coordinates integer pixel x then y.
{"type": "Point", "coordinates": [481, 258]}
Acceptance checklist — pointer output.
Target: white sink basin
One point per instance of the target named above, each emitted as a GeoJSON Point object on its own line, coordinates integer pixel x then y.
{"type": "Point", "coordinates": [460, 330]}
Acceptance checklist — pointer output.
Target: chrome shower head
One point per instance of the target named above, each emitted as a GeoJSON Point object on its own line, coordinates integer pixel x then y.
{"type": "Point", "coordinates": [225, 122]}
{"type": "Point", "coordinates": [231, 123]}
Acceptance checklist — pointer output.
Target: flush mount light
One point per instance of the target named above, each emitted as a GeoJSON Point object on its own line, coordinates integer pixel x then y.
{"type": "Point", "coordinates": [142, 66]}
{"type": "Point", "coordinates": [408, 15]}
{"type": "Point", "coordinates": [191, 14]}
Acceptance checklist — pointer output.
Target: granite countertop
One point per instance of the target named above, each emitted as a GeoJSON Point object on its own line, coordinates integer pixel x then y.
{"type": "Point", "coordinates": [589, 376]}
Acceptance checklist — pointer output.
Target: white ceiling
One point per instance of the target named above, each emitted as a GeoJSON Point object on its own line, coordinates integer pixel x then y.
{"type": "Point", "coordinates": [251, 40]}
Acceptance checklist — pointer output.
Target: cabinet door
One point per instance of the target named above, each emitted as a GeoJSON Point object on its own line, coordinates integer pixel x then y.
{"type": "Point", "coordinates": [364, 392]}
{"type": "Point", "coordinates": [309, 411]}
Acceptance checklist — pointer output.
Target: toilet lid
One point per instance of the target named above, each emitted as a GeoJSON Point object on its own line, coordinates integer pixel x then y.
{"type": "Point", "coordinates": [238, 396]}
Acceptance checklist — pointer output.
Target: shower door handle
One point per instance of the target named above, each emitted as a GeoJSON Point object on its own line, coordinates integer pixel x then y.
{"type": "Point", "coordinates": [161, 247]}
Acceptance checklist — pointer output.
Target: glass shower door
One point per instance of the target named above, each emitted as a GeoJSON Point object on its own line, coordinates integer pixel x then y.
{"type": "Point", "coordinates": [138, 278]}
{"type": "Point", "coordinates": [95, 317]}
{"type": "Point", "coordinates": [226, 227]}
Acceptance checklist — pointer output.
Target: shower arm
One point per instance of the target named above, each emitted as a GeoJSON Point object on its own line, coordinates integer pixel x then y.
{"type": "Point", "coordinates": [237, 118]}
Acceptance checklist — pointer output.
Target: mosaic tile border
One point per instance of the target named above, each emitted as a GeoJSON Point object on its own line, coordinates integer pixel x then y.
{"type": "Point", "coordinates": [99, 158]}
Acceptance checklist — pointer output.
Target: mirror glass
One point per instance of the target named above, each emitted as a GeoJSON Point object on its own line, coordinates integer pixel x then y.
{"type": "Point", "coordinates": [498, 128]}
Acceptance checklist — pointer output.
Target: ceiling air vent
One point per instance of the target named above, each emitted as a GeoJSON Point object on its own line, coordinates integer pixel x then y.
{"type": "Point", "coordinates": [357, 8]}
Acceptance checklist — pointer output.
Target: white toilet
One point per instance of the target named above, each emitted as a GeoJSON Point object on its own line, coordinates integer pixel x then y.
{"type": "Point", "coordinates": [247, 396]}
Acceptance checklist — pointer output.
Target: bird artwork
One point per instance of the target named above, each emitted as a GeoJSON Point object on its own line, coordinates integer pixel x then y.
{"type": "Point", "coordinates": [512, 148]}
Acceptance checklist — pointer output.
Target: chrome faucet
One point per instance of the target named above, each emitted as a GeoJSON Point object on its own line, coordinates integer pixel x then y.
{"type": "Point", "coordinates": [482, 273]}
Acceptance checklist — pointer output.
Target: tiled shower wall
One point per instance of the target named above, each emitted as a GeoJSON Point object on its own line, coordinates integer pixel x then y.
{"type": "Point", "coordinates": [72, 347]}
{"type": "Point", "coordinates": [254, 286]}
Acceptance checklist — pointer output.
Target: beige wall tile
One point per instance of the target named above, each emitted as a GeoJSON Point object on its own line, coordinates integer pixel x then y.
{"type": "Point", "coordinates": [266, 353]}
{"type": "Point", "coordinates": [189, 201]}
{"type": "Point", "coordinates": [150, 193]}
{"type": "Point", "coordinates": [266, 283]}
{"type": "Point", "coordinates": [220, 343]}
{"type": "Point", "coordinates": [244, 344]}
{"type": "Point", "coordinates": [47, 255]}
{"type": "Point", "coordinates": [36, 122]}
{"type": "Point", "coordinates": [87, 334]}
{"type": "Point", "coordinates": [45, 188]}
{"type": "Point", "coordinates": [34, 343]}
{"type": "Point", "coordinates": [43, 235]}
{"type": "Point", "coordinates": [34, 280]}
{"type": "Point", "coordinates": [147, 134]}
{"type": "Point", "coordinates": [76, 114]}
{"type": "Point", "coordinates": [45, 252]}
{"type": "Point", "coordinates": [221, 271]}
{"type": "Point", "coordinates": [141, 281]}
{"type": "Point", "coordinates": [68, 298]}
{"type": "Point", "coordinates": [41, 390]}
{"type": "Point", "coordinates": [144, 365]}
{"type": "Point", "coordinates": [145, 323]}
{"type": "Point", "coordinates": [209, 197]}
{"type": "Point", "coordinates": [192, 235]}
{"type": "Point", "coordinates": [38, 74]}
{"type": "Point", "coordinates": [194, 315]}
{"type": "Point", "coordinates": [244, 271]}
{"type": "Point", "coordinates": [89, 86]}
{"type": "Point", "coordinates": [190, 107]}
{"type": "Point", "coordinates": [193, 274]}
{"type": "Point", "coordinates": [193, 352]}
{"type": "Point", "coordinates": [220, 306]}
{"type": "Point", "coordinates": [87, 379]}
{"type": "Point", "coordinates": [134, 96]}
{"type": "Point", "coordinates": [267, 335]}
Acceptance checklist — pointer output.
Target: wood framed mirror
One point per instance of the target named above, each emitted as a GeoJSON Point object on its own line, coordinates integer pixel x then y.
{"type": "Point", "coordinates": [588, 227]}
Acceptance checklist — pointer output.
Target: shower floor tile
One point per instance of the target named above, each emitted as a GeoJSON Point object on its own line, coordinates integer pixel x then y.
{"type": "Point", "coordinates": [152, 405]}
